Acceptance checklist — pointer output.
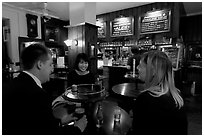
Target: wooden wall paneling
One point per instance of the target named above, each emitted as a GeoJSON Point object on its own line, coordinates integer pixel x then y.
{"type": "Point", "coordinates": [105, 20]}
{"type": "Point", "coordinates": [116, 14]}
{"type": "Point", "coordinates": [142, 10]}
{"type": "Point", "coordinates": [136, 18]}
{"type": "Point", "coordinates": [194, 74]}
{"type": "Point", "coordinates": [84, 35]}
{"type": "Point", "coordinates": [157, 5]}
{"type": "Point", "coordinates": [77, 31]}
{"type": "Point", "coordinates": [107, 27]}
{"type": "Point", "coordinates": [113, 15]}
{"type": "Point", "coordinates": [107, 32]}
{"type": "Point", "coordinates": [194, 31]}
{"type": "Point", "coordinates": [63, 35]}
{"type": "Point", "coordinates": [149, 7]}
{"type": "Point", "coordinates": [91, 39]}
{"type": "Point", "coordinates": [189, 30]}
{"type": "Point", "coordinates": [75, 48]}
{"type": "Point", "coordinates": [82, 38]}
{"type": "Point", "coordinates": [182, 30]}
{"type": "Point", "coordinates": [175, 20]}
{"type": "Point", "coordinates": [128, 13]}
{"type": "Point", "coordinates": [71, 51]}
{"type": "Point", "coordinates": [88, 36]}
{"type": "Point", "coordinates": [138, 11]}
{"type": "Point", "coordinates": [123, 13]}
{"type": "Point", "coordinates": [197, 28]}
{"type": "Point", "coordinates": [169, 5]}
{"type": "Point", "coordinates": [132, 13]}
{"type": "Point", "coordinates": [74, 33]}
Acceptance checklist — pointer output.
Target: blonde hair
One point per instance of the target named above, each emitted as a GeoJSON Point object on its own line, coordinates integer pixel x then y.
{"type": "Point", "coordinates": [159, 76]}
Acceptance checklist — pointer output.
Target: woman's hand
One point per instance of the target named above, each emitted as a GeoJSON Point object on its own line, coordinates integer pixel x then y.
{"type": "Point", "coordinates": [68, 118]}
{"type": "Point", "coordinates": [81, 123]}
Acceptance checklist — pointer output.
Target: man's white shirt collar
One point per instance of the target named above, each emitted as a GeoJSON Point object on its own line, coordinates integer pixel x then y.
{"type": "Point", "coordinates": [34, 78]}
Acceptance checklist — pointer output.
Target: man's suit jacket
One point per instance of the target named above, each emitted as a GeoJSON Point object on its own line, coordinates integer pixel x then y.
{"type": "Point", "coordinates": [27, 108]}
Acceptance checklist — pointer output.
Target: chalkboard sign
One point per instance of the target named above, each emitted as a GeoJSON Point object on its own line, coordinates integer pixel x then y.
{"type": "Point", "coordinates": [174, 53]}
{"type": "Point", "coordinates": [101, 28]}
{"type": "Point", "coordinates": [155, 22]}
{"type": "Point", "coordinates": [123, 26]}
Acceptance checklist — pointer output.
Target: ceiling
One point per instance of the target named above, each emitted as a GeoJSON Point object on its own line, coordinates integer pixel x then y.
{"type": "Point", "coordinates": [61, 9]}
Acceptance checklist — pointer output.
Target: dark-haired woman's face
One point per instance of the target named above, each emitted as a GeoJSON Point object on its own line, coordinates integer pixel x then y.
{"type": "Point", "coordinates": [83, 65]}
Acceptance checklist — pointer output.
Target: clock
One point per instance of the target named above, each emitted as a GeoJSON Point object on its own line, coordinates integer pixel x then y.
{"type": "Point", "coordinates": [32, 28]}
{"type": "Point", "coordinates": [32, 22]}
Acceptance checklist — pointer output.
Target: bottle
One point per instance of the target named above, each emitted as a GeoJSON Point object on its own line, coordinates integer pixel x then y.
{"type": "Point", "coordinates": [99, 116]}
{"type": "Point", "coordinates": [193, 89]}
{"type": "Point", "coordinates": [99, 82]}
{"type": "Point", "coordinates": [74, 89]}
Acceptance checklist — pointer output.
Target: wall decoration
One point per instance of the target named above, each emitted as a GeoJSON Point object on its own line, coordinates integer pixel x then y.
{"type": "Point", "coordinates": [32, 25]}
{"type": "Point", "coordinates": [101, 28]}
{"type": "Point", "coordinates": [175, 55]}
{"type": "Point", "coordinates": [156, 21]}
{"type": "Point", "coordinates": [123, 26]}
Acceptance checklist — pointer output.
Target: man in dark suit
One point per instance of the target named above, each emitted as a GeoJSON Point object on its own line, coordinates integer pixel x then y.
{"type": "Point", "coordinates": [26, 106]}
{"type": "Point", "coordinates": [136, 55]}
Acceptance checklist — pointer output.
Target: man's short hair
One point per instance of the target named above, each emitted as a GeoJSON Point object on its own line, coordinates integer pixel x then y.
{"type": "Point", "coordinates": [32, 54]}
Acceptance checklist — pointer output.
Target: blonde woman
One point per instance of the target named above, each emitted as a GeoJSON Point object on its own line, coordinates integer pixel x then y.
{"type": "Point", "coordinates": [159, 108]}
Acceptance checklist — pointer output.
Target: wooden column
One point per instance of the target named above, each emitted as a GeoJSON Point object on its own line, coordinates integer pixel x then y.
{"type": "Point", "coordinates": [86, 36]}
{"type": "Point", "coordinates": [81, 12]}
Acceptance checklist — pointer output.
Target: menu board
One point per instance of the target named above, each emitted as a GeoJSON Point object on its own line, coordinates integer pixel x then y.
{"type": "Point", "coordinates": [174, 53]}
{"type": "Point", "coordinates": [123, 26]}
{"type": "Point", "coordinates": [101, 28]}
{"type": "Point", "coordinates": [155, 22]}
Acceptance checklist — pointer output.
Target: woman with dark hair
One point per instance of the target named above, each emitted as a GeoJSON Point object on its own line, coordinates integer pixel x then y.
{"type": "Point", "coordinates": [81, 73]}
{"type": "Point", "coordinates": [159, 107]}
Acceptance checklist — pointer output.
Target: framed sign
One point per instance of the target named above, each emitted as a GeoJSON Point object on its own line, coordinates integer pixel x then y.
{"type": "Point", "coordinates": [123, 26]}
{"type": "Point", "coordinates": [155, 22]}
{"type": "Point", "coordinates": [101, 28]}
{"type": "Point", "coordinates": [174, 53]}
{"type": "Point", "coordinates": [51, 33]}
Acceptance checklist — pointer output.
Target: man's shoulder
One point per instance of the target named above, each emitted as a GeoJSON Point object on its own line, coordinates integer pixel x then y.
{"type": "Point", "coordinates": [23, 80]}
